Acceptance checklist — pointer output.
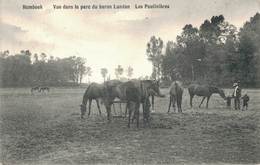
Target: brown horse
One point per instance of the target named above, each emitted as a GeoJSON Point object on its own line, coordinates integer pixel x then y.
{"type": "Point", "coordinates": [205, 91]}
{"type": "Point", "coordinates": [94, 91]}
{"type": "Point", "coordinates": [176, 91]}
{"type": "Point", "coordinates": [133, 92]}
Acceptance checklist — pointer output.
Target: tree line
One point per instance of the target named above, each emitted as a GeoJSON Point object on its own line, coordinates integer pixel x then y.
{"type": "Point", "coordinates": [214, 53]}
{"type": "Point", "coordinates": [26, 69]}
{"type": "Point", "coordinates": [119, 70]}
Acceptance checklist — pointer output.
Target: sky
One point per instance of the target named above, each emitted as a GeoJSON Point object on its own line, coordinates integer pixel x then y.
{"type": "Point", "coordinates": [108, 38]}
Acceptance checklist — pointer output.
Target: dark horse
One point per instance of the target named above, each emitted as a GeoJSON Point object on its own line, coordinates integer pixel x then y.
{"type": "Point", "coordinates": [134, 93]}
{"type": "Point", "coordinates": [176, 91]}
{"type": "Point", "coordinates": [205, 91]}
{"type": "Point", "coordinates": [94, 91]}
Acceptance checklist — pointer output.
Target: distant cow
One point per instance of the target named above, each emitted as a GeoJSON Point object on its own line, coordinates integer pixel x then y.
{"type": "Point", "coordinates": [44, 88]}
{"type": "Point", "coordinates": [35, 88]}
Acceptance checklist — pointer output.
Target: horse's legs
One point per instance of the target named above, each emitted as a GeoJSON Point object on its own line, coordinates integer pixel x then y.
{"type": "Point", "coordinates": [108, 108]}
{"type": "Point", "coordinates": [180, 103]}
{"type": "Point", "coordinates": [120, 108]}
{"type": "Point", "coordinates": [152, 102]}
{"type": "Point", "coordinates": [173, 103]}
{"type": "Point", "coordinates": [114, 108]}
{"type": "Point", "coordinates": [179, 100]}
{"type": "Point", "coordinates": [191, 97]}
{"type": "Point", "coordinates": [146, 116]}
{"type": "Point", "coordinates": [137, 105]}
{"type": "Point", "coordinates": [89, 106]}
{"type": "Point", "coordinates": [134, 117]}
{"type": "Point", "coordinates": [126, 110]}
{"type": "Point", "coordinates": [170, 104]}
{"type": "Point", "coordinates": [202, 101]}
{"type": "Point", "coordinates": [129, 113]}
{"type": "Point", "coordinates": [98, 107]}
{"type": "Point", "coordinates": [143, 106]}
{"type": "Point", "coordinates": [207, 105]}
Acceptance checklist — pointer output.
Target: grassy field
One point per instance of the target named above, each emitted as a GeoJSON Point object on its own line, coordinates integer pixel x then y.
{"type": "Point", "coordinates": [47, 129]}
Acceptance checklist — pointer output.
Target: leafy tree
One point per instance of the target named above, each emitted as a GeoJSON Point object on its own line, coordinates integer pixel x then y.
{"type": "Point", "coordinates": [88, 72]}
{"type": "Point", "coordinates": [104, 72]}
{"type": "Point", "coordinates": [130, 72]}
{"type": "Point", "coordinates": [249, 51]}
{"type": "Point", "coordinates": [119, 71]}
{"type": "Point", "coordinates": [190, 52]}
{"type": "Point", "coordinates": [154, 54]}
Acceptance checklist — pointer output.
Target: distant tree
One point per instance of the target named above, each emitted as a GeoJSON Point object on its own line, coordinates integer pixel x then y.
{"type": "Point", "coordinates": [80, 69]}
{"type": "Point", "coordinates": [36, 58]}
{"type": "Point", "coordinates": [130, 72]}
{"type": "Point", "coordinates": [104, 72]}
{"type": "Point", "coordinates": [207, 54]}
{"type": "Point", "coordinates": [249, 51]}
{"type": "Point", "coordinates": [88, 73]}
{"type": "Point", "coordinates": [43, 56]}
{"type": "Point", "coordinates": [191, 52]}
{"type": "Point", "coordinates": [119, 71]}
{"type": "Point", "coordinates": [154, 54]}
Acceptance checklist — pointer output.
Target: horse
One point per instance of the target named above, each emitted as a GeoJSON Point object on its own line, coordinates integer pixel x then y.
{"type": "Point", "coordinates": [36, 88]}
{"type": "Point", "coordinates": [113, 83]}
{"type": "Point", "coordinates": [44, 88]}
{"type": "Point", "coordinates": [133, 92]}
{"type": "Point", "coordinates": [94, 91]}
{"type": "Point", "coordinates": [176, 91]}
{"type": "Point", "coordinates": [205, 91]}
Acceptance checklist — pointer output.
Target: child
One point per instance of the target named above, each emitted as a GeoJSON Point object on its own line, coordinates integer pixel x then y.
{"type": "Point", "coordinates": [229, 98]}
{"type": "Point", "coordinates": [245, 99]}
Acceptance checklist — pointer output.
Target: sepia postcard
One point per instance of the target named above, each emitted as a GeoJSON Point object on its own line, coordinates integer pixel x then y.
{"type": "Point", "coordinates": [129, 82]}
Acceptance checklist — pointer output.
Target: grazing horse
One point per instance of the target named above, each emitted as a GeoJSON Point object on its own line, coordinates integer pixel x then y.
{"type": "Point", "coordinates": [205, 91]}
{"type": "Point", "coordinates": [176, 91]}
{"type": "Point", "coordinates": [36, 88]}
{"type": "Point", "coordinates": [133, 92]}
{"type": "Point", "coordinates": [94, 91]}
{"type": "Point", "coordinates": [44, 88]}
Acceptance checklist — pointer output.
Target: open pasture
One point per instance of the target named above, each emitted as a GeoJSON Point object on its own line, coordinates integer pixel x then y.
{"type": "Point", "coordinates": [45, 128]}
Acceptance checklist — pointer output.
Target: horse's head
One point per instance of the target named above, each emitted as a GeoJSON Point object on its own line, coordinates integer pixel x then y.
{"type": "Point", "coordinates": [83, 110]}
{"type": "Point", "coordinates": [222, 94]}
{"type": "Point", "coordinates": [154, 87]}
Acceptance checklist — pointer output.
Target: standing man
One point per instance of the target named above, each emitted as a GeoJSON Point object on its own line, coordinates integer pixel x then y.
{"type": "Point", "coordinates": [237, 95]}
